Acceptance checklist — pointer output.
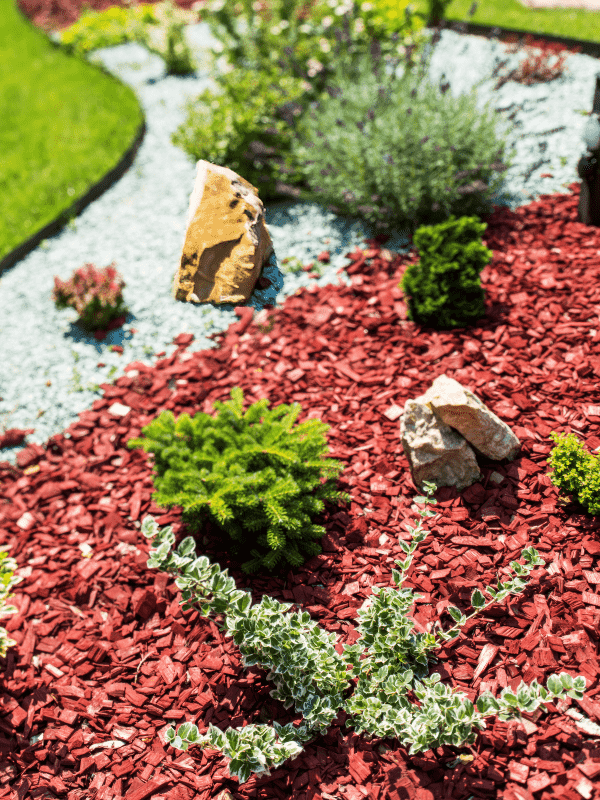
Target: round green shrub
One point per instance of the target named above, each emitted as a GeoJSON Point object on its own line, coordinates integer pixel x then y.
{"type": "Point", "coordinates": [443, 288]}
{"type": "Point", "coordinates": [258, 479]}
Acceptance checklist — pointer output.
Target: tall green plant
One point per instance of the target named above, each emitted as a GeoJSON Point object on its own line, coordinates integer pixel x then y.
{"type": "Point", "coordinates": [251, 473]}
{"type": "Point", "coordinates": [310, 674]}
{"type": "Point", "coordinates": [224, 128]}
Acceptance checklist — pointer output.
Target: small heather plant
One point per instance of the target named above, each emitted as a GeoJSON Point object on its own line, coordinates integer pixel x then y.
{"type": "Point", "coordinates": [258, 479]}
{"type": "Point", "coordinates": [575, 471]}
{"type": "Point", "coordinates": [96, 294]}
{"type": "Point", "coordinates": [536, 68]}
{"type": "Point", "coordinates": [387, 661]}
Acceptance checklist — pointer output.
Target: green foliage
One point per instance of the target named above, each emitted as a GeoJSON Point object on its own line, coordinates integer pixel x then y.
{"type": "Point", "coordinates": [167, 39]}
{"type": "Point", "coordinates": [272, 67]}
{"type": "Point", "coordinates": [575, 471]}
{"type": "Point", "coordinates": [397, 151]}
{"type": "Point", "coordinates": [443, 288]}
{"type": "Point", "coordinates": [301, 37]}
{"type": "Point", "coordinates": [220, 128]}
{"type": "Point", "coordinates": [159, 28]}
{"type": "Point", "coordinates": [113, 26]}
{"type": "Point", "coordinates": [312, 675]}
{"type": "Point", "coordinates": [251, 473]}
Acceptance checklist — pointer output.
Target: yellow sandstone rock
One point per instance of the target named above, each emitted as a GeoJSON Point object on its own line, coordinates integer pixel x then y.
{"type": "Point", "coordinates": [227, 241]}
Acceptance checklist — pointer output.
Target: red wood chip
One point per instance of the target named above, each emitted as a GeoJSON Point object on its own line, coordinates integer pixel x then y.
{"type": "Point", "coordinates": [106, 659]}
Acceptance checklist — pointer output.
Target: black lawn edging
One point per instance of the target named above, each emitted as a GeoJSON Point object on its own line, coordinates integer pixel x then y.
{"type": "Point", "coordinates": [79, 205]}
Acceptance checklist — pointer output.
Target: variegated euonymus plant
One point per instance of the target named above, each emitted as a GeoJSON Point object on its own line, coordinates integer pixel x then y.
{"type": "Point", "coordinates": [388, 660]}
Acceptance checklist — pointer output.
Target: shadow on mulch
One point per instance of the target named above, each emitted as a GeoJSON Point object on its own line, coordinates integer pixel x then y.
{"type": "Point", "coordinates": [105, 658]}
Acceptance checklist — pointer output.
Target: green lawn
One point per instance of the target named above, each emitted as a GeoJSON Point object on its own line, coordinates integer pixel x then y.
{"type": "Point", "coordinates": [574, 23]}
{"type": "Point", "coordinates": [63, 125]}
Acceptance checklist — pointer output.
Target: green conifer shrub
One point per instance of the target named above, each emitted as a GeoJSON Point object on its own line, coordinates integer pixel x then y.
{"type": "Point", "coordinates": [443, 288]}
{"type": "Point", "coordinates": [575, 471]}
{"type": "Point", "coordinates": [258, 479]}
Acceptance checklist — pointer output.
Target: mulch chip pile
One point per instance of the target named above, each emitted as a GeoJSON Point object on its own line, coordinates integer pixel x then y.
{"type": "Point", "coordinates": [105, 657]}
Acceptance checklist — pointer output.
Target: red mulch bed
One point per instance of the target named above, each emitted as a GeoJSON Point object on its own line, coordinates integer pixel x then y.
{"type": "Point", "coordinates": [105, 654]}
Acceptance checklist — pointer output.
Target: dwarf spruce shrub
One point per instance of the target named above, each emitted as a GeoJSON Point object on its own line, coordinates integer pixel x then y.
{"type": "Point", "coordinates": [575, 471]}
{"type": "Point", "coordinates": [443, 288]}
{"type": "Point", "coordinates": [258, 479]}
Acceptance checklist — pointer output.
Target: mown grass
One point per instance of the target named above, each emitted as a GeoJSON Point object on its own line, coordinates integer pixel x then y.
{"type": "Point", "coordinates": [63, 125]}
{"type": "Point", "coordinates": [570, 22]}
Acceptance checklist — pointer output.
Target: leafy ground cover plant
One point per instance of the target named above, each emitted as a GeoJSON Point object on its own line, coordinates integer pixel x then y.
{"type": "Point", "coordinates": [398, 151]}
{"type": "Point", "coordinates": [96, 294]}
{"type": "Point", "coordinates": [443, 289]}
{"type": "Point", "coordinates": [388, 661]}
{"type": "Point", "coordinates": [159, 28]}
{"type": "Point", "coordinates": [575, 471]}
{"type": "Point", "coordinates": [257, 478]}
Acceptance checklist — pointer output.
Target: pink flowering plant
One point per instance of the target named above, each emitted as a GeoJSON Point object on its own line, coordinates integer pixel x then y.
{"type": "Point", "coordinates": [96, 294]}
{"type": "Point", "coordinates": [388, 661]}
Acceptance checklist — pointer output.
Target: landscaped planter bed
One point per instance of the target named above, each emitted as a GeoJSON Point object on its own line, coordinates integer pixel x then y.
{"type": "Point", "coordinates": [105, 659]}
